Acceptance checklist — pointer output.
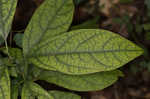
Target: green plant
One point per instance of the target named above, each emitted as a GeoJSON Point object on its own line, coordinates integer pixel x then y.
{"type": "Point", "coordinates": [80, 60]}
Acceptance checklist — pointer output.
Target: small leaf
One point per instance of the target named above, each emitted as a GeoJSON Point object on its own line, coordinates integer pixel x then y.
{"type": "Point", "coordinates": [4, 85]}
{"type": "Point", "coordinates": [89, 82]}
{"type": "Point", "coordinates": [32, 90]}
{"type": "Point", "coordinates": [52, 18]}
{"type": "Point", "coordinates": [18, 39]}
{"type": "Point", "coordinates": [16, 53]}
{"type": "Point", "coordinates": [84, 51]}
{"type": "Point", "coordinates": [7, 10]}
{"type": "Point", "coordinates": [63, 95]}
{"type": "Point", "coordinates": [90, 24]}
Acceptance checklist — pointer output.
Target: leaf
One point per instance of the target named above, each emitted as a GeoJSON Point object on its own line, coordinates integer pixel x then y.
{"type": "Point", "coordinates": [52, 18]}
{"type": "Point", "coordinates": [7, 10]}
{"type": "Point", "coordinates": [15, 53]}
{"type": "Point", "coordinates": [62, 95]}
{"type": "Point", "coordinates": [84, 51]}
{"type": "Point", "coordinates": [4, 85]}
{"type": "Point", "coordinates": [18, 39]}
{"type": "Point", "coordinates": [89, 82]}
{"type": "Point", "coordinates": [1, 40]}
{"type": "Point", "coordinates": [90, 24]}
{"type": "Point", "coordinates": [26, 93]}
{"type": "Point", "coordinates": [14, 91]}
{"type": "Point", "coordinates": [32, 90]}
{"type": "Point", "coordinates": [77, 2]}
{"type": "Point", "coordinates": [13, 71]}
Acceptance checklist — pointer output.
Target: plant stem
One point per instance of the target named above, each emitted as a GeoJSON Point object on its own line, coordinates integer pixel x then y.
{"type": "Point", "coordinates": [7, 49]}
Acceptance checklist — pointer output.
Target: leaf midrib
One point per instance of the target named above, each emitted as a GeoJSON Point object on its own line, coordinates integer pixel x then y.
{"type": "Point", "coordinates": [82, 52]}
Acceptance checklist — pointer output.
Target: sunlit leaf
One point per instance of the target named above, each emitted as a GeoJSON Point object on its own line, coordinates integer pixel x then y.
{"type": "Point", "coordinates": [84, 51]}
{"type": "Point", "coordinates": [7, 10]}
{"type": "Point", "coordinates": [89, 82]}
{"type": "Point", "coordinates": [52, 18]}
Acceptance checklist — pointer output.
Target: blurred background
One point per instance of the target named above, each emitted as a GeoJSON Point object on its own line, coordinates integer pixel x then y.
{"type": "Point", "coordinates": [128, 18]}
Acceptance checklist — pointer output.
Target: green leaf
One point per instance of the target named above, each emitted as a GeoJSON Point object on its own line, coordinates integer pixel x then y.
{"type": "Point", "coordinates": [90, 24]}
{"type": "Point", "coordinates": [18, 39]}
{"type": "Point", "coordinates": [52, 18]}
{"type": "Point", "coordinates": [63, 95]}
{"type": "Point", "coordinates": [16, 53]}
{"type": "Point", "coordinates": [7, 10]}
{"type": "Point", "coordinates": [13, 71]}
{"type": "Point", "coordinates": [14, 91]}
{"type": "Point", "coordinates": [84, 51]}
{"type": "Point", "coordinates": [26, 93]}
{"type": "Point", "coordinates": [4, 85]}
{"type": "Point", "coordinates": [1, 40]}
{"type": "Point", "coordinates": [32, 90]}
{"type": "Point", "coordinates": [89, 82]}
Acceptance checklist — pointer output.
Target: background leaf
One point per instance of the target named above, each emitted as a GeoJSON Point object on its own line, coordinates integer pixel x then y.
{"type": "Point", "coordinates": [4, 84]}
{"type": "Point", "coordinates": [85, 51]}
{"type": "Point", "coordinates": [7, 10]}
{"type": "Point", "coordinates": [90, 82]}
{"type": "Point", "coordinates": [52, 18]}
{"type": "Point", "coordinates": [90, 24]}
{"type": "Point", "coordinates": [18, 39]}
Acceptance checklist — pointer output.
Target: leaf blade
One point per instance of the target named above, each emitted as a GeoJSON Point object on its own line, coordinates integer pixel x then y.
{"type": "Point", "coordinates": [7, 10]}
{"type": "Point", "coordinates": [51, 19]}
{"type": "Point", "coordinates": [26, 94]}
{"type": "Point", "coordinates": [85, 51]}
{"type": "Point", "coordinates": [34, 90]}
{"type": "Point", "coordinates": [88, 82]}
{"type": "Point", "coordinates": [4, 85]}
{"type": "Point", "coordinates": [63, 95]}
